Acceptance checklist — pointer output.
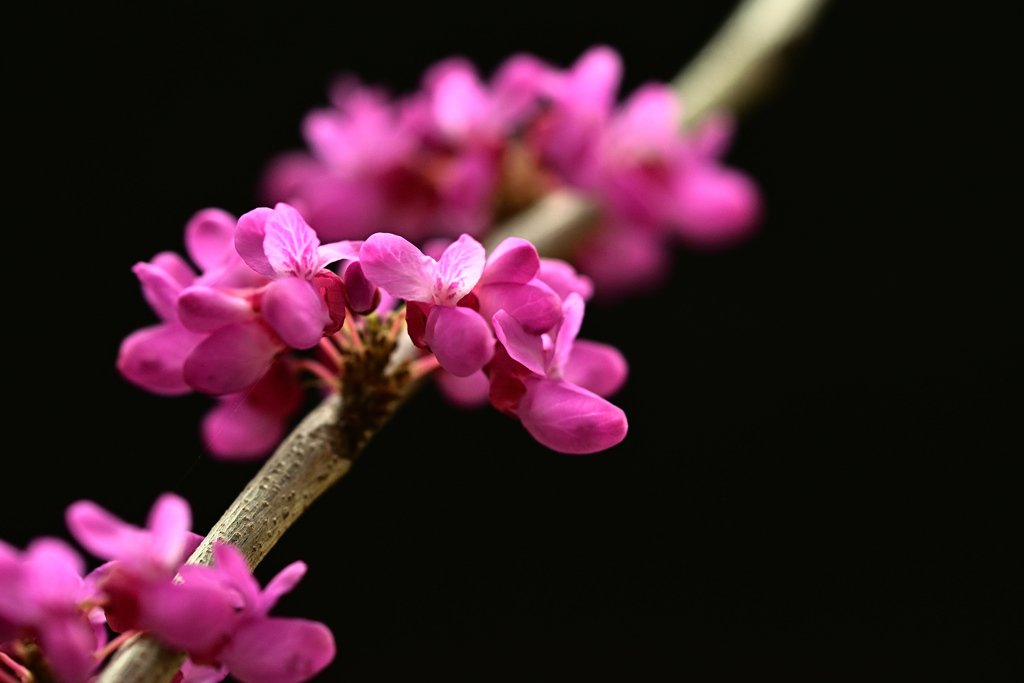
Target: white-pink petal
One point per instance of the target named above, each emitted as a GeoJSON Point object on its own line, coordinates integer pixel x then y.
{"type": "Point", "coordinates": [346, 250]}
{"type": "Point", "coordinates": [395, 265]}
{"type": "Point", "coordinates": [458, 270]}
{"type": "Point", "coordinates": [291, 246]}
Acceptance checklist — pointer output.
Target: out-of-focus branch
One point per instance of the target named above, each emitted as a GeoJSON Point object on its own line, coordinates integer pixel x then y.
{"type": "Point", "coordinates": [745, 57]}
{"type": "Point", "coordinates": [728, 74]}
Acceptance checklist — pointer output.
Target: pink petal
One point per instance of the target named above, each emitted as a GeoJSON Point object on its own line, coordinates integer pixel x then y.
{"type": "Point", "coordinates": [195, 673]}
{"type": "Point", "coordinates": [459, 338]}
{"type": "Point", "coordinates": [175, 266]}
{"type": "Point", "coordinates": [235, 430]}
{"type": "Point", "coordinates": [154, 357]}
{"type": "Point", "coordinates": [206, 309]}
{"type": "Point", "coordinates": [516, 87]}
{"type": "Point", "coordinates": [279, 650]}
{"type": "Point", "coordinates": [513, 261]}
{"type": "Point", "coordinates": [159, 288]}
{"type": "Point", "coordinates": [624, 259]}
{"type": "Point", "coordinates": [53, 575]}
{"type": "Point", "coordinates": [596, 367]}
{"type": "Point", "coordinates": [210, 237]}
{"type": "Point", "coordinates": [338, 251]}
{"type": "Point", "coordinates": [466, 191]}
{"type": "Point", "coordinates": [231, 359]}
{"type": "Point", "coordinates": [562, 278]}
{"type": "Point", "coordinates": [506, 389]}
{"type": "Point", "coordinates": [460, 102]}
{"type": "Point", "coordinates": [362, 295]}
{"type": "Point", "coordinates": [523, 347]}
{"type": "Point", "coordinates": [458, 270]}
{"type": "Point", "coordinates": [169, 522]}
{"type": "Point", "coordinates": [68, 644]}
{"type": "Point", "coordinates": [195, 616]}
{"type": "Point", "coordinates": [572, 319]}
{"type": "Point", "coordinates": [399, 268]}
{"type": "Point", "coordinates": [291, 246]}
{"type": "Point", "coordinates": [104, 535]}
{"type": "Point", "coordinates": [568, 419]}
{"type": "Point", "coordinates": [712, 139]}
{"type": "Point", "coordinates": [284, 582]}
{"type": "Point", "coordinates": [463, 392]}
{"type": "Point", "coordinates": [535, 306]}
{"type": "Point", "coordinates": [332, 290]}
{"type": "Point", "coordinates": [249, 235]}
{"type": "Point", "coordinates": [232, 562]}
{"type": "Point", "coordinates": [716, 206]}
{"type": "Point", "coordinates": [296, 311]}
{"type": "Point", "coordinates": [649, 122]}
{"type": "Point", "coordinates": [594, 78]}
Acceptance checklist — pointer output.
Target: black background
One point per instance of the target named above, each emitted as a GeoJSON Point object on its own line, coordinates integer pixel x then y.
{"type": "Point", "coordinates": [816, 471]}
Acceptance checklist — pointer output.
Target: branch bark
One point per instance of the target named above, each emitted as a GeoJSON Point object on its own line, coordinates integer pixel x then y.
{"type": "Point", "coordinates": [729, 73]}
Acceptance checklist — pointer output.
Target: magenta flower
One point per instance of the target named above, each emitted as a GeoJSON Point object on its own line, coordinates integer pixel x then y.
{"type": "Point", "coordinates": [42, 596]}
{"type": "Point", "coordinates": [457, 335]}
{"type": "Point", "coordinates": [140, 559]}
{"type": "Point", "coordinates": [651, 175]}
{"type": "Point", "coordinates": [154, 357]}
{"type": "Point", "coordinates": [302, 303]}
{"type": "Point", "coordinates": [157, 550]}
{"type": "Point", "coordinates": [555, 386]}
{"type": "Point", "coordinates": [259, 648]}
{"type": "Point", "coordinates": [567, 135]}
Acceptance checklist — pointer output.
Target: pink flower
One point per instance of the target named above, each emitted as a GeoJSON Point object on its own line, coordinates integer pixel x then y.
{"type": "Point", "coordinates": [140, 559]}
{"type": "Point", "coordinates": [154, 357]}
{"type": "Point", "coordinates": [582, 97]}
{"type": "Point", "coordinates": [41, 596]}
{"type": "Point", "coordinates": [653, 175]}
{"type": "Point", "coordinates": [259, 648]}
{"type": "Point", "coordinates": [555, 386]}
{"type": "Point", "coordinates": [458, 336]}
{"type": "Point", "coordinates": [302, 303]}
{"type": "Point", "coordinates": [157, 550]}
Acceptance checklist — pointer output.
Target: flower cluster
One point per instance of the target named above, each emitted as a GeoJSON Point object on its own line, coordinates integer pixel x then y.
{"type": "Point", "coordinates": [460, 154]}
{"type": "Point", "coordinates": [265, 293]}
{"type": "Point", "coordinates": [54, 618]}
{"type": "Point", "coordinates": [263, 290]}
{"type": "Point", "coordinates": [509, 320]}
